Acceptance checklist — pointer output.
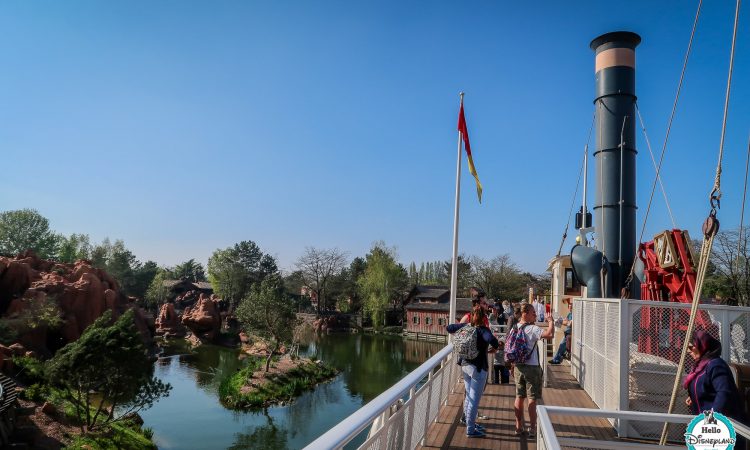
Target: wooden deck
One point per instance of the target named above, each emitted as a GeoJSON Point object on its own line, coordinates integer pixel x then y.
{"type": "Point", "coordinates": [497, 404]}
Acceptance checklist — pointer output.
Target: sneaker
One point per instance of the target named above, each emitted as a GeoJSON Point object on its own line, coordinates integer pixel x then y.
{"type": "Point", "coordinates": [475, 434]}
{"type": "Point", "coordinates": [554, 362]}
{"type": "Point", "coordinates": [532, 432]}
{"type": "Point", "coordinates": [479, 427]}
{"type": "Point", "coordinates": [462, 420]}
{"type": "Point", "coordinates": [482, 417]}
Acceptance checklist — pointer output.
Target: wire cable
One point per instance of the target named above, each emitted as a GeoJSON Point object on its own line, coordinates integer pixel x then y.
{"type": "Point", "coordinates": [575, 194]}
{"type": "Point", "coordinates": [666, 137]}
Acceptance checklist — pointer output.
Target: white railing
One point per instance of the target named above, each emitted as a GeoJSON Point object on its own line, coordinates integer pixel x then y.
{"type": "Point", "coordinates": [548, 439]}
{"type": "Point", "coordinates": [625, 353]}
{"type": "Point", "coordinates": [403, 413]}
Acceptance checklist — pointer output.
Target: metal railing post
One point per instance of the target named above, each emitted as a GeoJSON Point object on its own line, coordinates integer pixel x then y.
{"type": "Point", "coordinates": [623, 358]}
{"type": "Point", "coordinates": [726, 335]}
{"type": "Point", "coordinates": [410, 419]}
{"type": "Point", "coordinates": [429, 406]}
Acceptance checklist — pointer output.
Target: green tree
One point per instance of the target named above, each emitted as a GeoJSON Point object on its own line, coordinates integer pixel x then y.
{"type": "Point", "coordinates": [157, 294]}
{"type": "Point", "coordinates": [26, 229]}
{"type": "Point", "coordinates": [189, 270]}
{"type": "Point", "coordinates": [106, 373]}
{"type": "Point", "coordinates": [464, 273]}
{"type": "Point", "coordinates": [134, 277]}
{"type": "Point", "coordinates": [382, 283]}
{"type": "Point", "coordinates": [351, 288]}
{"type": "Point", "coordinates": [74, 247]}
{"type": "Point", "coordinates": [413, 274]}
{"type": "Point", "coordinates": [143, 274]}
{"type": "Point", "coordinates": [269, 314]}
{"type": "Point", "coordinates": [235, 270]}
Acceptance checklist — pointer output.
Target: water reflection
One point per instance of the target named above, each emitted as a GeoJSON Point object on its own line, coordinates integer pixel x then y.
{"type": "Point", "coordinates": [264, 437]}
{"type": "Point", "coordinates": [193, 418]}
{"type": "Point", "coordinates": [370, 364]}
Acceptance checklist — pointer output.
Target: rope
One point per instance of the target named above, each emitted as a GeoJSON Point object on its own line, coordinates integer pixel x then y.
{"type": "Point", "coordinates": [666, 138]}
{"type": "Point", "coordinates": [741, 236]}
{"type": "Point", "coordinates": [653, 161]}
{"type": "Point", "coordinates": [702, 265]}
{"type": "Point", "coordinates": [710, 227]}
{"type": "Point", "coordinates": [716, 191]}
{"type": "Point", "coordinates": [575, 194]}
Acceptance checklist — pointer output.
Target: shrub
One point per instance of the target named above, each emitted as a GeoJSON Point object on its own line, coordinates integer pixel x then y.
{"type": "Point", "coordinates": [36, 393]}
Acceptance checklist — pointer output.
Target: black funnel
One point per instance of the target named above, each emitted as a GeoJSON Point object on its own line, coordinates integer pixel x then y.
{"type": "Point", "coordinates": [615, 204]}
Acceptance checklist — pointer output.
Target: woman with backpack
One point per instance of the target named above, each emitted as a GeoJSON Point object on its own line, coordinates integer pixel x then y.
{"type": "Point", "coordinates": [471, 342]}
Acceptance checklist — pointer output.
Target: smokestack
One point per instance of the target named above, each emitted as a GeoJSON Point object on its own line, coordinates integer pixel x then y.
{"type": "Point", "coordinates": [615, 204]}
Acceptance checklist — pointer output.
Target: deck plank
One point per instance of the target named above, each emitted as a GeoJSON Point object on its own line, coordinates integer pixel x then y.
{"type": "Point", "coordinates": [497, 403]}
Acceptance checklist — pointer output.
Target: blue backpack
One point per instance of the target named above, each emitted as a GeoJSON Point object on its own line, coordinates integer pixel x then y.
{"type": "Point", "coordinates": [517, 346]}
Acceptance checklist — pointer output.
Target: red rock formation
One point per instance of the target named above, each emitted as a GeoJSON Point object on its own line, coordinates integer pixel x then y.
{"type": "Point", "coordinates": [204, 319]}
{"type": "Point", "coordinates": [168, 323]}
{"type": "Point", "coordinates": [323, 324]}
{"type": "Point", "coordinates": [188, 299]}
{"type": "Point", "coordinates": [81, 292]}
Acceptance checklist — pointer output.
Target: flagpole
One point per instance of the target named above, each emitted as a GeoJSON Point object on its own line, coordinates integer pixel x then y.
{"type": "Point", "coordinates": [454, 260]}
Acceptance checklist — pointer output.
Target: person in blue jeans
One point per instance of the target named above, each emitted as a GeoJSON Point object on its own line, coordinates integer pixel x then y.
{"type": "Point", "coordinates": [475, 370]}
{"type": "Point", "coordinates": [565, 344]}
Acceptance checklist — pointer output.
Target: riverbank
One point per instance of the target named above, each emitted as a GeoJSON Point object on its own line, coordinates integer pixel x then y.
{"type": "Point", "coordinates": [45, 419]}
{"type": "Point", "coordinates": [287, 378]}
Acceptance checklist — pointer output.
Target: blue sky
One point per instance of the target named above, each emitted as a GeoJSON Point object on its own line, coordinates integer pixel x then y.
{"type": "Point", "coordinates": [182, 127]}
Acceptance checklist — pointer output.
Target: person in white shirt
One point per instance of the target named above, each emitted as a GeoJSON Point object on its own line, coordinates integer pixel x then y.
{"type": "Point", "coordinates": [528, 376]}
{"type": "Point", "coordinates": [540, 310]}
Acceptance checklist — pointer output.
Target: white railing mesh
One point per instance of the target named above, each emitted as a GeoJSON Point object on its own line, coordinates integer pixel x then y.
{"type": "Point", "coordinates": [642, 358]}
{"type": "Point", "coordinates": [595, 353]}
{"type": "Point", "coordinates": [400, 417]}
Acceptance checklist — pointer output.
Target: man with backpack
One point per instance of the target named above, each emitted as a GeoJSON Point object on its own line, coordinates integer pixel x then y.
{"type": "Point", "coordinates": [521, 350]}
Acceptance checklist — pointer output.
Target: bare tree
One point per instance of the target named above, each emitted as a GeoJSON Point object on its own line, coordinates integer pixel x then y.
{"type": "Point", "coordinates": [317, 267]}
{"type": "Point", "coordinates": [497, 276]}
{"type": "Point", "coordinates": [728, 274]}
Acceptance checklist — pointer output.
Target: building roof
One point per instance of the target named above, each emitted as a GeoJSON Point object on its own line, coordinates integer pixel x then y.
{"type": "Point", "coordinates": [463, 305]}
{"type": "Point", "coordinates": [428, 293]}
{"type": "Point", "coordinates": [200, 285]}
{"type": "Point", "coordinates": [203, 285]}
{"type": "Point", "coordinates": [172, 283]}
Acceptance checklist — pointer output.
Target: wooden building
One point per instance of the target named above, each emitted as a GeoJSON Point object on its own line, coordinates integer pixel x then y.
{"type": "Point", "coordinates": [428, 309]}
{"type": "Point", "coordinates": [179, 287]}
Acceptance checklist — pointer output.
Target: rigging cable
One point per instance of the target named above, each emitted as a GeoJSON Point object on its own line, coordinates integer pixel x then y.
{"type": "Point", "coordinates": [666, 139]}
{"type": "Point", "coordinates": [575, 194]}
{"type": "Point", "coordinates": [741, 236]}
{"type": "Point", "coordinates": [653, 161]}
{"type": "Point", "coordinates": [710, 227]}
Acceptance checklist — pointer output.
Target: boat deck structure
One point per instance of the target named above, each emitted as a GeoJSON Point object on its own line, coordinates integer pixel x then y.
{"type": "Point", "coordinates": [497, 405]}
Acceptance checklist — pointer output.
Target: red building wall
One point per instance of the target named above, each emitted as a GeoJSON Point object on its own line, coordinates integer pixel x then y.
{"type": "Point", "coordinates": [427, 322]}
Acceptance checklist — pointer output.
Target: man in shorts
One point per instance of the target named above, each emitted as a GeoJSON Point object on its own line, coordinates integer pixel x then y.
{"type": "Point", "coordinates": [528, 376]}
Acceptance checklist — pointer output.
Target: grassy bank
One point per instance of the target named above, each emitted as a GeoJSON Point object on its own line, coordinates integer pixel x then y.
{"type": "Point", "coordinates": [124, 434]}
{"type": "Point", "coordinates": [117, 436]}
{"type": "Point", "coordinates": [252, 388]}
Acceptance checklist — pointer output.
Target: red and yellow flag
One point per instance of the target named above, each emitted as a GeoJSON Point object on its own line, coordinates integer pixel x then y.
{"type": "Point", "coordinates": [465, 136]}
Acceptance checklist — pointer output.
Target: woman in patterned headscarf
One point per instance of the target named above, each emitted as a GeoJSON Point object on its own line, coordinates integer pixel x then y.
{"type": "Point", "coordinates": [710, 384]}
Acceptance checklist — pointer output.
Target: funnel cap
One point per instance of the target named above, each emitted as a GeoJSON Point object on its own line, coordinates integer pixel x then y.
{"type": "Point", "coordinates": [616, 39]}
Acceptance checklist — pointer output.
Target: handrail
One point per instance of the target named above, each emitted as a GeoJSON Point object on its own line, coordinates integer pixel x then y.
{"type": "Point", "coordinates": [550, 440]}
{"type": "Point", "coordinates": [350, 427]}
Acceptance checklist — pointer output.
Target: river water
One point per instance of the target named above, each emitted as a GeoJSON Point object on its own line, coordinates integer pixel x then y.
{"type": "Point", "coordinates": [192, 417]}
